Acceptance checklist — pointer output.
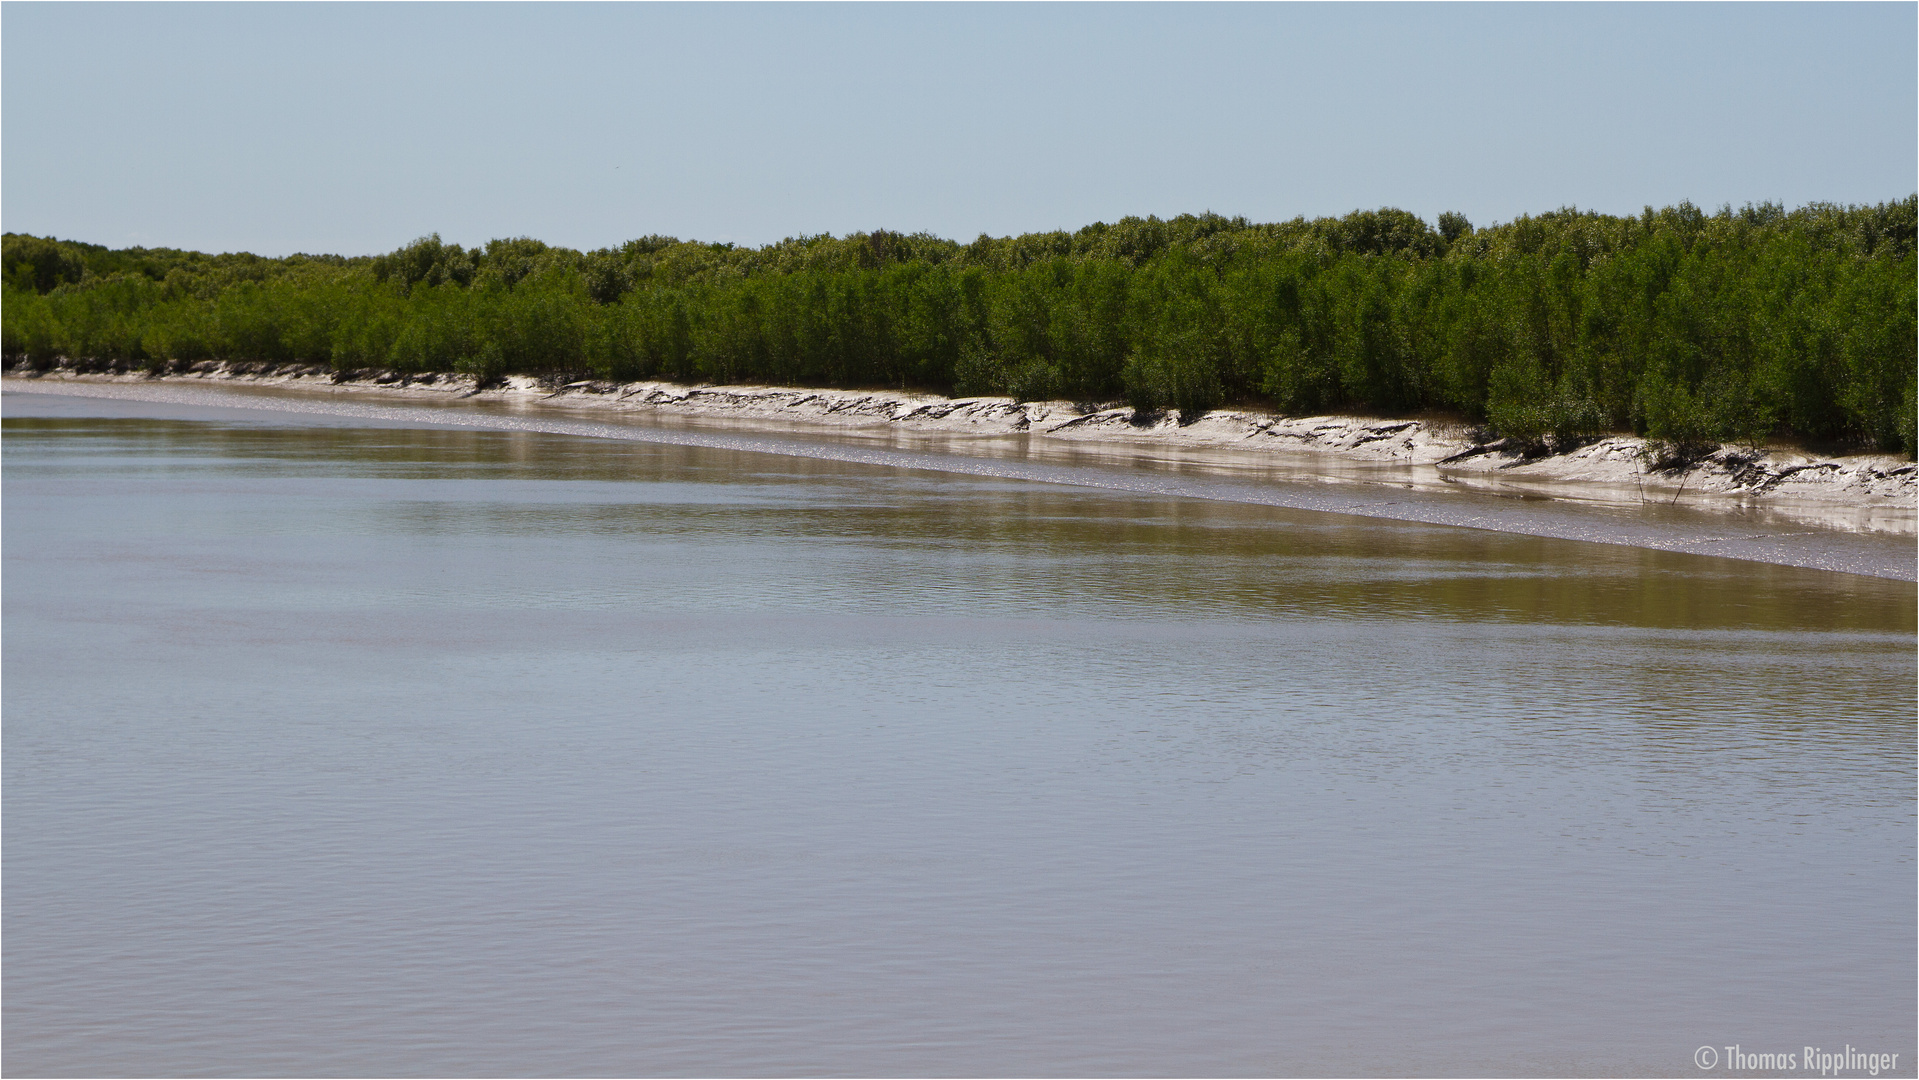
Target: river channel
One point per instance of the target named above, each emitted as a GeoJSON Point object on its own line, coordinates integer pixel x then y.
{"type": "Point", "coordinates": [354, 745]}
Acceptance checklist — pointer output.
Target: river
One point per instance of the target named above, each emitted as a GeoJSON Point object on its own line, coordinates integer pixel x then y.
{"type": "Point", "coordinates": [346, 745]}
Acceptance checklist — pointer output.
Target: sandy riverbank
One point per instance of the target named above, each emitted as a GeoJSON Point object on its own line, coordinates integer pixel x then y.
{"type": "Point", "coordinates": [1874, 493]}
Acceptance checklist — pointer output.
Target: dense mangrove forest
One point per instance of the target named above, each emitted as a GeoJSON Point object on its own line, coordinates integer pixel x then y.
{"type": "Point", "coordinates": [1689, 327]}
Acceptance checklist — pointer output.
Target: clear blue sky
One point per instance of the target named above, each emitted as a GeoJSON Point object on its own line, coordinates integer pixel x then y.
{"type": "Point", "coordinates": [353, 128]}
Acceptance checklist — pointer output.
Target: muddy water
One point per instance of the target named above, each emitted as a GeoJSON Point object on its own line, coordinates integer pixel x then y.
{"type": "Point", "coordinates": [1875, 539]}
{"type": "Point", "coordinates": [334, 747]}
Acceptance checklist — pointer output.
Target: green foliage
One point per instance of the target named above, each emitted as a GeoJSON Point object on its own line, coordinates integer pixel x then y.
{"type": "Point", "coordinates": [1692, 328]}
{"type": "Point", "coordinates": [427, 261]}
{"type": "Point", "coordinates": [37, 265]}
{"type": "Point", "coordinates": [29, 331]}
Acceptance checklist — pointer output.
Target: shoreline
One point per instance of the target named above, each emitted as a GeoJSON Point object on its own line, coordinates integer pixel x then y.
{"type": "Point", "coordinates": [1357, 466]}
{"type": "Point", "coordinates": [1860, 492]}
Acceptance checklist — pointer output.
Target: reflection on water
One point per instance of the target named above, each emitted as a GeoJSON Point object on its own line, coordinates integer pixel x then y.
{"type": "Point", "coordinates": [347, 749]}
{"type": "Point", "coordinates": [1772, 533]}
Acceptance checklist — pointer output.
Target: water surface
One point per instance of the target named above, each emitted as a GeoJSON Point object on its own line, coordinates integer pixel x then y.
{"type": "Point", "coordinates": [349, 749]}
{"type": "Point", "coordinates": [1874, 538]}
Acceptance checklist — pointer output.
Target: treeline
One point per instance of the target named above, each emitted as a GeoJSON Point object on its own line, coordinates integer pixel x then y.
{"type": "Point", "coordinates": [1688, 327]}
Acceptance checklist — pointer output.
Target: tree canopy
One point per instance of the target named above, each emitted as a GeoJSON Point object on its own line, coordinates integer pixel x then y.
{"type": "Point", "coordinates": [1679, 324]}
